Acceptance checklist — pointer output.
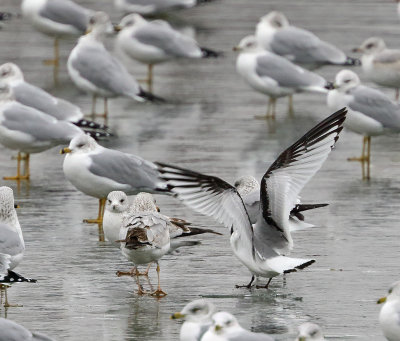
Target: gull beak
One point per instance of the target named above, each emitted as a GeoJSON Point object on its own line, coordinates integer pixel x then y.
{"type": "Point", "coordinates": [65, 150]}
{"type": "Point", "coordinates": [177, 316]}
{"type": "Point", "coordinates": [88, 30]}
{"type": "Point", "coordinates": [302, 338]}
{"type": "Point", "coordinates": [218, 328]}
{"type": "Point", "coordinates": [236, 49]}
{"type": "Point", "coordinates": [117, 28]}
{"type": "Point", "coordinates": [357, 49]}
{"type": "Point", "coordinates": [16, 206]}
{"type": "Point", "coordinates": [158, 209]}
{"type": "Point", "coordinates": [381, 300]}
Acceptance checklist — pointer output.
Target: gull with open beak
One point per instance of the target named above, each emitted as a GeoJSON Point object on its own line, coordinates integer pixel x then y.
{"type": "Point", "coordinates": [389, 316]}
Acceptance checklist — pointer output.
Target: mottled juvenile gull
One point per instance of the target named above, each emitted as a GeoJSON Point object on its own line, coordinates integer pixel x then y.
{"type": "Point", "coordinates": [260, 247]}
{"type": "Point", "coordinates": [197, 316]}
{"type": "Point", "coordinates": [273, 75]}
{"type": "Point", "coordinates": [275, 34]}
{"type": "Point", "coordinates": [97, 171]}
{"type": "Point", "coordinates": [56, 18]}
{"type": "Point", "coordinates": [147, 7]}
{"type": "Point", "coordinates": [225, 327]}
{"type": "Point", "coordinates": [154, 42]}
{"type": "Point", "coordinates": [144, 237]}
{"type": "Point", "coordinates": [12, 331]}
{"type": "Point", "coordinates": [380, 64]}
{"type": "Point", "coordinates": [371, 112]}
{"type": "Point", "coordinates": [310, 332]}
{"type": "Point", "coordinates": [94, 70]}
{"type": "Point", "coordinates": [390, 312]}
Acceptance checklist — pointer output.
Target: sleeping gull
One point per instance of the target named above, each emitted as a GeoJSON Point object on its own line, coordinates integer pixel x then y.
{"type": "Point", "coordinates": [154, 42]}
{"type": "Point", "coordinates": [225, 327]}
{"type": "Point", "coordinates": [97, 171]}
{"type": "Point", "coordinates": [93, 69]}
{"type": "Point", "coordinates": [12, 331]}
{"type": "Point", "coordinates": [28, 130]}
{"type": "Point", "coordinates": [371, 112]}
{"type": "Point", "coordinates": [259, 247]}
{"type": "Point", "coordinates": [380, 64]}
{"type": "Point", "coordinates": [389, 315]}
{"type": "Point", "coordinates": [145, 238]}
{"type": "Point", "coordinates": [12, 244]}
{"type": "Point", "coordinates": [275, 34]}
{"type": "Point", "coordinates": [274, 75]}
{"type": "Point", "coordinates": [56, 18]}
{"type": "Point", "coordinates": [35, 97]}
{"type": "Point", "coordinates": [310, 332]}
{"type": "Point", "coordinates": [148, 7]}
{"type": "Point", "coordinates": [197, 316]}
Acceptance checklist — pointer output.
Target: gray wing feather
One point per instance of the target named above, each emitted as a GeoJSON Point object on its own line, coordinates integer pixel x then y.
{"type": "Point", "coordinates": [252, 203]}
{"type": "Point", "coordinates": [302, 46]}
{"type": "Point", "coordinates": [286, 73]}
{"type": "Point", "coordinates": [10, 242]}
{"type": "Point", "coordinates": [127, 169]}
{"type": "Point", "coordinates": [375, 104]}
{"type": "Point", "coordinates": [99, 67]}
{"type": "Point", "coordinates": [66, 12]}
{"type": "Point", "coordinates": [249, 336]}
{"type": "Point", "coordinates": [388, 57]}
{"type": "Point", "coordinates": [37, 98]}
{"type": "Point", "coordinates": [167, 39]}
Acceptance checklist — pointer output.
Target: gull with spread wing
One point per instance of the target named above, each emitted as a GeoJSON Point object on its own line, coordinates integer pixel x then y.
{"type": "Point", "coordinates": [260, 247]}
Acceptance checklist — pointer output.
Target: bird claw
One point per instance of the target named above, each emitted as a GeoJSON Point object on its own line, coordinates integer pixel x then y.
{"type": "Point", "coordinates": [159, 293]}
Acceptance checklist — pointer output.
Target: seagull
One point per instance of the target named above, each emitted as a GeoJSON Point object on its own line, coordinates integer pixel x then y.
{"type": "Point", "coordinates": [390, 312]}
{"type": "Point", "coordinates": [35, 97]}
{"type": "Point", "coordinates": [260, 247]}
{"type": "Point", "coordinates": [380, 64]}
{"type": "Point", "coordinates": [310, 332]}
{"type": "Point", "coordinates": [145, 238]}
{"type": "Point", "coordinates": [225, 327]}
{"type": "Point", "coordinates": [93, 69]}
{"type": "Point", "coordinates": [12, 331]}
{"type": "Point", "coordinates": [371, 112]}
{"type": "Point", "coordinates": [197, 316]}
{"type": "Point", "coordinates": [274, 33]}
{"type": "Point", "coordinates": [273, 75]}
{"type": "Point", "coordinates": [97, 171]}
{"type": "Point", "coordinates": [148, 7]}
{"type": "Point", "coordinates": [56, 18]}
{"type": "Point", "coordinates": [28, 130]}
{"type": "Point", "coordinates": [12, 245]}
{"type": "Point", "coordinates": [154, 42]}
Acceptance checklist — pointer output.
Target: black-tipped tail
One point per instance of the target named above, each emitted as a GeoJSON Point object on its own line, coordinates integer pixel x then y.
{"type": "Point", "coordinates": [329, 86]}
{"type": "Point", "coordinates": [208, 53]}
{"type": "Point", "coordinates": [304, 207]}
{"type": "Point", "coordinates": [151, 97]}
{"type": "Point", "coordinates": [13, 277]}
{"type": "Point", "coordinates": [350, 61]}
{"type": "Point", "coordinates": [91, 125]}
{"type": "Point", "coordinates": [300, 267]}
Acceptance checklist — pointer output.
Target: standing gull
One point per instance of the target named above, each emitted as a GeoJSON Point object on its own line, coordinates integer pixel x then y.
{"type": "Point", "coordinates": [144, 237]}
{"type": "Point", "coordinates": [197, 316]}
{"type": "Point", "coordinates": [371, 112]}
{"type": "Point", "coordinates": [12, 331]}
{"type": "Point", "coordinates": [148, 7]}
{"type": "Point", "coordinates": [28, 130]}
{"type": "Point", "coordinates": [389, 316]}
{"type": "Point", "coordinates": [12, 244]}
{"type": "Point", "coordinates": [259, 247]}
{"type": "Point", "coordinates": [275, 34]}
{"type": "Point", "coordinates": [93, 69]}
{"type": "Point", "coordinates": [154, 42]}
{"type": "Point", "coordinates": [56, 18]}
{"type": "Point", "coordinates": [35, 97]}
{"type": "Point", "coordinates": [380, 64]}
{"type": "Point", "coordinates": [97, 171]}
{"type": "Point", "coordinates": [310, 332]}
{"type": "Point", "coordinates": [274, 75]}
{"type": "Point", "coordinates": [225, 327]}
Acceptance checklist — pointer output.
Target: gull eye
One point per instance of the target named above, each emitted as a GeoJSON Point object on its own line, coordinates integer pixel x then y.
{"type": "Point", "coordinates": [390, 290]}
{"type": "Point", "coordinates": [313, 333]}
{"type": "Point", "coordinates": [122, 200]}
{"type": "Point", "coordinates": [80, 145]}
{"type": "Point", "coordinates": [92, 21]}
{"type": "Point", "coordinates": [109, 201]}
{"type": "Point", "coordinates": [370, 45]}
{"type": "Point", "coordinates": [347, 80]}
{"type": "Point", "coordinates": [195, 310]}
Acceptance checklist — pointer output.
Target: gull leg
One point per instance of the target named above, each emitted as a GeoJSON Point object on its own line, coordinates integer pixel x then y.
{"type": "Point", "coordinates": [270, 110]}
{"type": "Point", "coordinates": [99, 220]}
{"type": "Point", "coordinates": [158, 292]}
{"type": "Point", "coordinates": [248, 286]}
{"type": "Point", "coordinates": [54, 62]}
{"type": "Point", "coordinates": [19, 176]}
{"type": "Point", "coordinates": [27, 174]}
{"type": "Point", "coordinates": [6, 303]}
{"type": "Point", "coordinates": [362, 158]}
{"type": "Point", "coordinates": [368, 157]}
{"type": "Point", "coordinates": [140, 288]}
{"type": "Point", "coordinates": [264, 286]}
{"type": "Point", "coordinates": [131, 273]}
{"type": "Point", "coordinates": [290, 105]}
{"type": "Point", "coordinates": [105, 107]}
{"type": "Point", "coordinates": [150, 77]}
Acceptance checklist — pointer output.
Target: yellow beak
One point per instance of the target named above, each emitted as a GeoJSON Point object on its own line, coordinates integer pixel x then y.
{"type": "Point", "coordinates": [16, 206]}
{"type": "Point", "coordinates": [65, 150]}
{"type": "Point", "coordinates": [302, 338]}
{"type": "Point", "coordinates": [117, 28]}
{"type": "Point", "coordinates": [218, 327]}
{"type": "Point", "coordinates": [177, 316]}
{"type": "Point", "coordinates": [357, 49]}
{"type": "Point", "coordinates": [236, 49]}
{"type": "Point", "coordinates": [381, 300]}
{"type": "Point", "coordinates": [88, 30]}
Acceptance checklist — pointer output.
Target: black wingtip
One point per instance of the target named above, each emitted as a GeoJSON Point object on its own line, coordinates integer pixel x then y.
{"type": "Point", "coordinates": [208, 53]}
{"type": "Point", "coordinates": [83, 123]}
{"type": "Point", "coordinates": [350, 61]}
{"type": "Point", "coordinates": [151, 97]}
{"type": "Point", "coordinates": [13, 277]}
{"type": "Point", "coordinates": [329, 86]}
{"type": "Point", "coordinates": [300, 267]}
{"type": "Point", "coordinates": [98, 135]}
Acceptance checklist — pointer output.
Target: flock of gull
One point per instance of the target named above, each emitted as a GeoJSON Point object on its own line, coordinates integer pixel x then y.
{"type": "Point", "coordinates": [278, 60]}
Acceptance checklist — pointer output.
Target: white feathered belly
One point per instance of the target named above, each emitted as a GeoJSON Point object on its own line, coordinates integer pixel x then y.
{"type": "Point", "coordinates": [146, 254]}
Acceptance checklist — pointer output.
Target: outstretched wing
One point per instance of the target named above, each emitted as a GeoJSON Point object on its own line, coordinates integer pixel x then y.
{"type": "Point", "coordinates": [282, 183]}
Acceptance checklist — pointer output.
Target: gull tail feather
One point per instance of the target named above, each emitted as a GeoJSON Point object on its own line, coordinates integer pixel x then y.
{"type": "Point", "coordinates": [13, 277]}
{"type": "Point", "coordinates": [284, 265]}
{"type": "Point", "coordinates": [208, 53]}
{"type": "Point", "coordinates": [176, 244]}
{"type": "Point", "coordinates": [148, 96]}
